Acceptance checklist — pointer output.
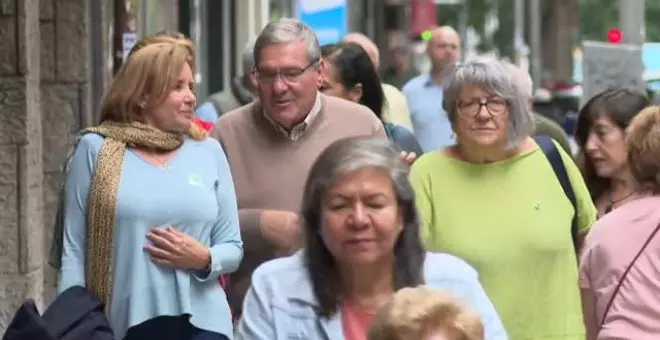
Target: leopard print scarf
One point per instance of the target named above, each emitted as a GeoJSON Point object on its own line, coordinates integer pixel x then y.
{"type": "Point", "coordinates": [102, 197]}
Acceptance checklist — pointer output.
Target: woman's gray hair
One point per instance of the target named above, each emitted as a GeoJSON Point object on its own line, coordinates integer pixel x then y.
{"type": "Point", "coordinates": [345, 156]}
{"type": "Point", "coordinates": [285, 31]}
{"type": "Point", "coordinates": [521, 79]}
{"type": "Point", "coordinates": [493, 77]}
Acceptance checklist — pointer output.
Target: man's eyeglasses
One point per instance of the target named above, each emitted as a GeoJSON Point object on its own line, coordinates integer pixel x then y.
{"type": "Point", "coordinates": [494, 106]}
{"type": "Point", "coordinates": [289, 75]}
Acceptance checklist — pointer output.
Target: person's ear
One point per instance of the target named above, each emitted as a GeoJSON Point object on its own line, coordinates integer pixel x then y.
{"type": "Point", "coordinates": [320, 72]}
{"type": "Point", "coordinates": [355, 93]}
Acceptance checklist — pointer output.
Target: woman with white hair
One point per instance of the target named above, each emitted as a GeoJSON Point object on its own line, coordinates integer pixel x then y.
{"type": "Point", "coordinates": [494, 200]}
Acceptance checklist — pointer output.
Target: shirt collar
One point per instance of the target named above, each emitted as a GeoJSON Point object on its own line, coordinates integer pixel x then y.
{"type": "Point", "coordinates": [297, 131]}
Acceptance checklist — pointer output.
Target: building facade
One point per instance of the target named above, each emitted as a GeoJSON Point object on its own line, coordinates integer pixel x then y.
{"type": "Point", "coordinates": [46, 89]}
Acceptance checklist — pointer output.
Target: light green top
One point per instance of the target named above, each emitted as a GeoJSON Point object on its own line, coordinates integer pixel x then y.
{"type": "Point", "coordinates": [512, 221]}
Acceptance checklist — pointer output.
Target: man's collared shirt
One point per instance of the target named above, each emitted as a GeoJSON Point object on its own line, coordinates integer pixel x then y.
{"type": "Point", "coordinates": [430, 122]}
{"type": "Point", "coordinates": [298, 130]}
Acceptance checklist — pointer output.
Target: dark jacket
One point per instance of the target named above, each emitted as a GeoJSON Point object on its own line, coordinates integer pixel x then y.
{"type": "Point", "coordinates": [75, 315]}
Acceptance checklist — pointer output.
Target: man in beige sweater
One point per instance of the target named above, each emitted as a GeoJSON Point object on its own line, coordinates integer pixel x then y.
{"type": "Point", "coordinates": [272, 143]}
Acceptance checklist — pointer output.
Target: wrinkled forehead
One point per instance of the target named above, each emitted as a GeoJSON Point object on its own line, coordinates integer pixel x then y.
{"type": "Point", "coordinates": [283, 56]}
{"type": "Point", "coordinates": [366, 181]}
{"type": "Point", "coordinates": [482, 89]}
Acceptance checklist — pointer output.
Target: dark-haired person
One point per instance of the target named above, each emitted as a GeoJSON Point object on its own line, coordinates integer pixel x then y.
{"type": "Point", "coordinates": [603, 159]}
{"type": "Point", "coordinates": [396, 109]}
{"type": "Point", "coordinates": [362, 245]}
{"type": "Point", "coordinates": [620, 258]}
{"type": "Point", "coordinates": [350, 74]}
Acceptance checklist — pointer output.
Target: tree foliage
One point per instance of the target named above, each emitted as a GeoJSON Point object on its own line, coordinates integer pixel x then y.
{"type": "Point", "coordinates": [596, 17]}
{"type": "Point", "coordinates": [599, 16]}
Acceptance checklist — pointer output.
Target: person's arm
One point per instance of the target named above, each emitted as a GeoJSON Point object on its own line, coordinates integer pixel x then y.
{"type": "Point", "coordinates": [248, 219]}
{"type": "Point", "coordinates": [256, 322]}
{"type": "Point", "coordinates": [478, 299]}
{"type": "Point", "coordinates": [589, 300]}
{"type": "Point", "coordinates": [78, 180]}
{"type": "Point", "coordinates": [493, 326]}
{"type": "Point", "coordinates": [226, 250]}
{"type": "Point", "coordinates": [256, 224]}
{"type": "Point", "coordinates": [424, 200]}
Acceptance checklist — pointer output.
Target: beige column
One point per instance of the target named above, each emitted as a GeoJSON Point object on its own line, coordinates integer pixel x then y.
{"type": "Point", "coordinates": [21, 166]}
{"type": "Point", "coordinates": [252, 16]}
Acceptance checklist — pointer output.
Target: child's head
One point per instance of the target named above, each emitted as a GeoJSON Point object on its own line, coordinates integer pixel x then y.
{"type": "Point", "coordinates": [423, 313]}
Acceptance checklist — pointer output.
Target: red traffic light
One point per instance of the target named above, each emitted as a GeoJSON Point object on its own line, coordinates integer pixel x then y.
{"type": "Point", "coordinates": [614, 36]}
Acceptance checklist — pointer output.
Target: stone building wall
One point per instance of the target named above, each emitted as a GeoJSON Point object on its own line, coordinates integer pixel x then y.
{"type": "Point", "coordinates": [46, 91]}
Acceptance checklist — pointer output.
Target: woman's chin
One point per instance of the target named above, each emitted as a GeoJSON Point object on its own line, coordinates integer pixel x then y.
{"type": "Point", "coordinates": [485, 142]}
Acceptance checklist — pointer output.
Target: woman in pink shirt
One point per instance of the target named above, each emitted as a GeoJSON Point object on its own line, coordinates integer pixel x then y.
{"type": "Point", "coordinates": [621, 255]}
{"type": "Point", "coordinates": [600, 135]}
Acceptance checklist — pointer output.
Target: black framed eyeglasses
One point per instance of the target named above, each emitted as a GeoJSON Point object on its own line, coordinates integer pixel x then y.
{"type": "Point", "coordinates": [289, 75]}
{"type": "Point", "coordinates": [494, 106]}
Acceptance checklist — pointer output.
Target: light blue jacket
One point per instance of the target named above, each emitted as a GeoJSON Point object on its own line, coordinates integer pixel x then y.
{"type": "Point", "coordinates": [280, 304]}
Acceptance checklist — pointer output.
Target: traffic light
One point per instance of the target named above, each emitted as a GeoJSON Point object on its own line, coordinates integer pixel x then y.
{"type": "Point", "coordinates": [614, 36]}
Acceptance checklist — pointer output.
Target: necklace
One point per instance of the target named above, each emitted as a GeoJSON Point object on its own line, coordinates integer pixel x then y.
{"type": "Point", "coordinates": [163, 163]}
{"type": "Point", "coordinates": [154, 158]}
{"type": "Point", "coordinates": [160, 161]}
{"type": "Point", "coordinates": [615, 202]}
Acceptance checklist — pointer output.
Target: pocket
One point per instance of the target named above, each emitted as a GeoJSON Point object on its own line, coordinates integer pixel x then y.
{"type": "Point", "coordinates": [298, 324]}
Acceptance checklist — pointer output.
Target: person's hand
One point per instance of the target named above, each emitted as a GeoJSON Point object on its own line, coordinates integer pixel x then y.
{"type": "Point", "coordinates": [408, 157]}
{"type": "Point", "coordinates": [282, 229]}
{"type": "Point", "coordinates": [173, 248]}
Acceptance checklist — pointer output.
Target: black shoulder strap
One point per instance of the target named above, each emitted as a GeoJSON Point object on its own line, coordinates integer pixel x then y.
{"type": "Point", "coordinates": [625, 274]}
{"type": "Point", "coordinates": [554, 157]}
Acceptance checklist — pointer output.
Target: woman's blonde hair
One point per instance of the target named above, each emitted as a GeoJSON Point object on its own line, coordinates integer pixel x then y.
{"type": "Point", "coordinates": [164, 37]}
{"type": "Point", "coordinates": [643, 141]}
{"type": "Point", "coordinates": [145, 80]}
{"type": "Point", "coordinates": [416, 313]}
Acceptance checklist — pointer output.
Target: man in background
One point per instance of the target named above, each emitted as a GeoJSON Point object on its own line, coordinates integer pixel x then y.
{"type": "Point", "coordinates": [242, 90]}
{"type": "Point", "coordinates": [395, 110]}
{"type": "Point", "coordinates": [401, 69]}
{"type": "Point", "coordinates": [424, 93]}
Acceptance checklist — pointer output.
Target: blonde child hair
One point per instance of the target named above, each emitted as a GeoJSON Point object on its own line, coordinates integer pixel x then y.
{"type": "Point", "coordinates": [424, 313]}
